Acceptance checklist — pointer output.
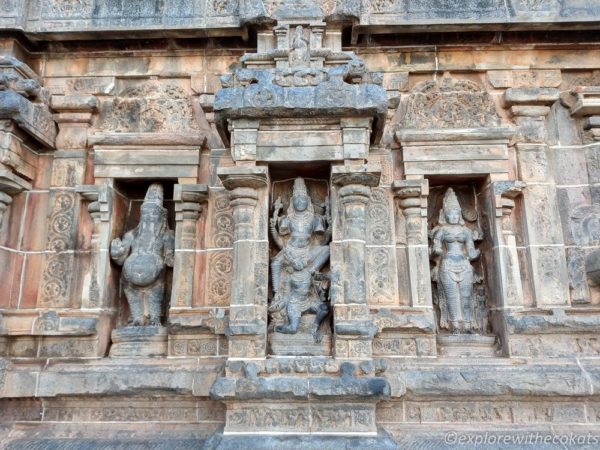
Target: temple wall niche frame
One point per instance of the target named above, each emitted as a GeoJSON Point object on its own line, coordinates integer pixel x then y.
{"type": "Point", "coordinates": [451, 136]}
{"type": "Point", "coordinates": [147, 135]}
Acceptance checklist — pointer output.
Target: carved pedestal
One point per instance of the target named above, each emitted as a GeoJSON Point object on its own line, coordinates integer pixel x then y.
{"type": "Point", "coordinates": [139, 342]}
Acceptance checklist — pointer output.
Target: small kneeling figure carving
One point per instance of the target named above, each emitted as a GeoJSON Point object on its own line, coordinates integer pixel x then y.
{"type": "Point", "coordinates": [454, 248]}
{"type": "Point", "coordinates": [145, 252]}
{"type": "Point", "coordinates": [298, 285]}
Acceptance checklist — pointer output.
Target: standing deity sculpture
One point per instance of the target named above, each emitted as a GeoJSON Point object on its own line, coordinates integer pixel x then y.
{"type": "Point", "coordinates": [298, 285]}
{"type": "Point", "coordinates": [453, 249]}
{"type": "Point", "coordinates": [145, 252]}
{"type": "Point", "coordinates": [300, 52]}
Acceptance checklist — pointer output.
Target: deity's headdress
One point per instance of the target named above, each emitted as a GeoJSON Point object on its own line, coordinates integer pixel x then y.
{"type": "Point", "coordinates": [155, 194]}
{"type": "Point", "coordinates": [450, 203]}
{"type": "Point", "coordinates": [300, 187]}
{"type": "Point", "coordinates": [154, 198]}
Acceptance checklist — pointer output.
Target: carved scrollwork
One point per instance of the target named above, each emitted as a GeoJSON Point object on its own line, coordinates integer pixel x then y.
{"type": "Point", "coordinates": [220, 276]}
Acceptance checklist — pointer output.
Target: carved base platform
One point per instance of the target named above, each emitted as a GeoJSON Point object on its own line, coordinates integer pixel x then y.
{"type": "Point", "coordinates": [301, 343]}
{"type": "Point", "coordinates": [223, 441]}
{"type": "Point", "coordinates": [467, 345]}
{"type": "Point", "coordinates": [138, 342]}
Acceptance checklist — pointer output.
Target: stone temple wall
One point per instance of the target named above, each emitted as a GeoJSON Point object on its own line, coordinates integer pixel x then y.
{"type": "Point", "coordinates": [293, 223]}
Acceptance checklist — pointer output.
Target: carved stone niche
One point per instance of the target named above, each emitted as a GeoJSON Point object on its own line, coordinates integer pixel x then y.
{"type": "Point", "coordinates": [460, 248]}
{"type": "Point", "coordinates": [300, 319]}
{"type": "Point", "coordinates": [145, 251]}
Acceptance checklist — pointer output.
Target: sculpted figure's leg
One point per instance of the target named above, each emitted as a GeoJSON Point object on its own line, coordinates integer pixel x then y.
{"type": "Point", "coordinates": [276, 270]}
{"type": "Point", "coordinates": [318, 257]}
{"type": "Point", "coordinates": [155, 298]}
{"type": "Point", "coordinates": [452, 299]}
{"type": "Point", "coordinates": [136, 304]}
{"type": "Point", "coordinates": [293, 321]}
{"type": "Point", "coordinates": [466, 292]}
{"type": "Point", "coordinates": [322, 312]}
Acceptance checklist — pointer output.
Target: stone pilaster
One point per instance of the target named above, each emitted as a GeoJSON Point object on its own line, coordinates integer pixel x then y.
{"type": "Point", "coordinates": [354, 330]}
{"type": "Point", "coordinates": [506, 273]}
{"type": "Point", "coordinates": [248, 309]}
{"type": "Point", "coordinates": [545, 246]}
{"type": "Point", "coordinates": [188, 200]}
{"type": "Point", "coordinates": [74, 114]}
{"type": "Point", "coordinates": [97, 291]}
{"type": "Point", "coordinates": [412, 195]}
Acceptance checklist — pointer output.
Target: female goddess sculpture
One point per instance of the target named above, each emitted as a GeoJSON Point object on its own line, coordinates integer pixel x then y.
{"type": "Point", "coordinates": [297, 282]}
{"type": "Point", "coordinates": [453, 248]}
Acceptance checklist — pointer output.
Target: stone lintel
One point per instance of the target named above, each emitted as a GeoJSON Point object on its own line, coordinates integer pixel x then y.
{"type": "Point", "coordinates": [462, 135]}
{"type": "Point", "coordinates": [531, 96]}
{"type": "Point", "coordinates": [74, 103]}
{"type": "Point", "coordinates": [196, 139]}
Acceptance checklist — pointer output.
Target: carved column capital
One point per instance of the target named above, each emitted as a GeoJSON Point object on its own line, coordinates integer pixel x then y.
{"type": "Point", "coordinates": [242, 184]}
{"type": "Point", "coordinates": [505, 193]}
{"type": "Point", "coordinates": [584, 103]}
{"type": "Point", "coordinates": [10, 185]}
{"type": "Point", "coordinates": [188, 200]}
{"type": "Point", "coordinates": [529, 107]}
{"type": "Point", "coordinates": [412, 195]}
{"type": "Point", "coordinates": [73, 114]}
{"type": "Point", "coordinates": [99, 198]}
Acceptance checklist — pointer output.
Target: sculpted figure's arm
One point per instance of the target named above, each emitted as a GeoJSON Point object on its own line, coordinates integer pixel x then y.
{"type": "Point", "coordinates": [273, 223]}
{"type": "Point", "coordinates": [436, 248]}
{"type": "Point", "coordinates": [119, 249]}
{"type": "Point", "coordinates": [472, 252]}
{"type": "Point", "coordinates": [169, 248]}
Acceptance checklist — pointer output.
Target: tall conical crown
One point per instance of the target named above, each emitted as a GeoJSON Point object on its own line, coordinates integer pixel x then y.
{"type": "Point", "coordinates": [155, 194]}
{"type": "Point", "coordinates": [450, 200]}
{"type": "Point", "coordinates": [300, 187]}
